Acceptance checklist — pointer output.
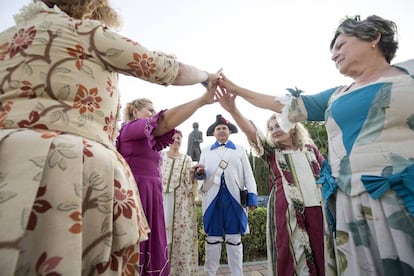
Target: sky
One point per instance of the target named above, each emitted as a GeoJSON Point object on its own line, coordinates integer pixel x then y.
{"type": "Point", "coordinates": [263, 45]}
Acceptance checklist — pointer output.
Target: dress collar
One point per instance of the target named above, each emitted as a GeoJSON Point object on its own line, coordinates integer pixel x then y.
{"type": "Point", "coordinates": [30, 10]}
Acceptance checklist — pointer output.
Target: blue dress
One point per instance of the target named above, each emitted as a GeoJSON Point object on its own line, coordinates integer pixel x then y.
{"type": "Point", "coordinates": [371, 141]}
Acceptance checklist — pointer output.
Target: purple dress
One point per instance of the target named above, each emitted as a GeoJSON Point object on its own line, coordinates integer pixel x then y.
{"type": "Point", "coordinates": [141, 149]}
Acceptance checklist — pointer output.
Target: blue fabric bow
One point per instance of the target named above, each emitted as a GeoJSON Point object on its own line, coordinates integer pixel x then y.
{"type": "Point", "coordinates": [402, 183]}
{"type": "Point", "coordinates": [229, 145]}
{"type": "Point", "coordinates": [329, 187]}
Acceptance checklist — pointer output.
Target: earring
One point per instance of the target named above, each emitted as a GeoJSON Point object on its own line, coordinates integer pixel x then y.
{"type": "Point", "coordinates": [373, 46]}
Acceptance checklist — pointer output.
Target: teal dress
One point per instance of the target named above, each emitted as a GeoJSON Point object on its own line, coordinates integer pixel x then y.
{"type": "Point", "coordinates": [371, 143]}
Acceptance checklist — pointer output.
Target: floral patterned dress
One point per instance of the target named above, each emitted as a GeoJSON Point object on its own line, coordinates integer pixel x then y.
{"type": "Point", "coordinates": [179, 191]}
{"type": "Point", "coordinates": [295, 243]}
{"type": "Point", "coordinates": [371, 155]}
{"type": "Point", "coordinates": [69, 204]}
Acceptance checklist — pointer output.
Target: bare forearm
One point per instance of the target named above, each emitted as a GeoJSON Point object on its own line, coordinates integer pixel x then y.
{"type": "Point", "coordinates": [245, 125]}
{"type": "Point", "coordinates": [188, 75]}
{"type": "Point", "coordinates": [260, 100]}
{"type": "Point", "coordinates": [176, 115]}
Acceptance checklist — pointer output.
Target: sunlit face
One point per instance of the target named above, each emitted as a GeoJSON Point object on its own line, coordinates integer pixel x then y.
{"type": "Point", "coordinates": [351, 54]}
{"type": "Point", "coordinates": [146, 112]}
{"type": "Point", "coordinates": [177, 141]}
{"type": "Point", "coordinates": [277, 135]}
{"type": "Point", "coordinates": [222, 133]}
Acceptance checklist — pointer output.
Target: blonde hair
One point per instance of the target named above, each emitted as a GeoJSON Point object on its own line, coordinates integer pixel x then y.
{"type": "Point", "coordinates": [300, 135]}
{"type": "Point", "coordinates": [137, 104]}
{"type": "Point", "coordinates": [87, 9]}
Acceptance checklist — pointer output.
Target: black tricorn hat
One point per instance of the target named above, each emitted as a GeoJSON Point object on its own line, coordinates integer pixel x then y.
{"type": "Point", "coordinates": [221, 121]}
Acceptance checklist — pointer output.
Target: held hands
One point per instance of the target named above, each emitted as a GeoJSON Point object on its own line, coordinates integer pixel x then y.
{"type": "Point", "coordinates": [227, 85]}
{"type": "Point", "coordinates": [211, 95]}
{"type": "Point", "coordinates": [198, 169]}
{"type": "Point", "coordinates": [227, 100]}
{"type": "Point", "coordinates": [225, 91]}
{"type": "Point", "coordinates": [197, 172]}
{"type": "Point", "coordinates": [213, 77]}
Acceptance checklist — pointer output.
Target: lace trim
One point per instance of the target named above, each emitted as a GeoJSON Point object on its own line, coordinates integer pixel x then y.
{"type": "Point", "coordinates": [30, 10]}
{"type": "Point", "coordinates": [284, 121]}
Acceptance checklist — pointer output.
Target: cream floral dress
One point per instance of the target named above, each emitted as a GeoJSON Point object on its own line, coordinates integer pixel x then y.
{"type": "Point", "coordinates": [369, 183]}
{"type": "Point", "coordinates": [179, 191]}
{"type": "Point", "coordinates": [69, 204]}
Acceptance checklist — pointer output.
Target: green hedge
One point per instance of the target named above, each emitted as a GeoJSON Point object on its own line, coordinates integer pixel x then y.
{"type": "Point", "coordinates": [254, 243]}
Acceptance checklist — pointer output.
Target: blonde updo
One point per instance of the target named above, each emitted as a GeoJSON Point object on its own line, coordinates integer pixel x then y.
{"type": "Point", "coordinates": [135, 104]}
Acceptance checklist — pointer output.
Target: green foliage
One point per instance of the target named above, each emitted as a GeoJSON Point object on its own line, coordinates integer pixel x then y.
{"type": "Point", "coordinates": [254, 243]}
{"type": "Point", "coordinates": [261, 174]}
{"type": "Point", "coordinates": [318, 133]}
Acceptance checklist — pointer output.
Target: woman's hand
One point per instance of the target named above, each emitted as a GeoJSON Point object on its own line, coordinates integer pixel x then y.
{"type": "Point", "coordinates": [227, 101]}
{"type": "Point", "coordinates": [211, 95]}
{"type": "Point", "coordinates": [227, 85]}
{"type": "Point", "coordinates": [213, 77]}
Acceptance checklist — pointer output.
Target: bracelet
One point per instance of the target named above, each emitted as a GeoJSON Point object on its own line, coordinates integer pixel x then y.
{"type": "Point", "coordinates": [205, 83]}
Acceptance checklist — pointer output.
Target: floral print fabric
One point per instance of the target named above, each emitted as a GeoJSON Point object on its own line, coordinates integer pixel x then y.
{"type": "Point", "coordinates": [179, 193]}
{"type": "Point", "coordinates": [373, 236]}
{"type": "Point", "coordinates": [294, 233]}
{"type": "Point", "coordinates": [69, 203]}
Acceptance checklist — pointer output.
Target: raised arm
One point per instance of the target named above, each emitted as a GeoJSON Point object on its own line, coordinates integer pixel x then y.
{"type": "Point", "coordinates": [227, 101]}
{"type": "Point", "coordinates": [176, 115]}
{"type": "Point", "coordinates": [258, 99]}
{"type": "Point", "coordinates": [188, 75]}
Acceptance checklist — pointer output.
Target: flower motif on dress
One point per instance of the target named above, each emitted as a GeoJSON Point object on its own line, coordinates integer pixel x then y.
{"type": "Point", "coordinates": [87, 100]}
{"type": "Point", "coordinates": [27, 90]}
{"type": "Point", "coordinates": [131, 258]}
{"type": "Point", "coordinates": [39, 206]}
{"type": "Point", "coordinates": [111, 88]}
{"type": "Point", "coordinates": [124, 201]}
{"type": "Point", "coordinates": [4, 50]}
{"type": "Point", "coordinates": [78, 53]}
{"type": "Point", "coordinates": [48, 134]}
{"type": "Point", "coordinates": [86, 151]}
{"type": "Point", "coordinates": [131, 41]}
{"type": "Point", "coordinates": [127, 257]}
{"type": "Point", "coordinates": [31, 123]}
{"type": "Point", "coordinates": [144, 65]}
{"type": "Point", "coordinates": [110, 126]}
{"type": "Point", "coordinates": [4, 112]}
{"type": "Point", "coordinates": [22, 40]}
{"type": "Point", "coordinates": [76, 228]}
{"type": "Point", "coordinates": [112, 262]}
{"type": "Point", "coordinates": [46, 266]}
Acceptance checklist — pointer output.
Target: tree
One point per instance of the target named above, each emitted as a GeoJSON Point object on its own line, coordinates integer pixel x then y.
{"type": "Point", "coordinates": [318, 133]}
{"type": "Point", "coordinates": [261, 173]}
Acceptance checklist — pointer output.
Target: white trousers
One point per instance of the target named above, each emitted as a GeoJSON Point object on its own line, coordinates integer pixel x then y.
{"type": "Point", "coordinates": [234, 250]}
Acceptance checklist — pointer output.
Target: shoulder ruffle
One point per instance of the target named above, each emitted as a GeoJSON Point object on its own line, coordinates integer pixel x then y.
{"type": "Point", "coordinates": [160, 142]}
{"type": "Point", "coordinates": [260, 138]}
{"type": "Point", "coordinates": [30, 10]}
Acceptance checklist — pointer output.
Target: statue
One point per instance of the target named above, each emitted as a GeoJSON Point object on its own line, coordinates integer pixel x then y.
{"type": "Point", "coordinates": [195, 138]}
